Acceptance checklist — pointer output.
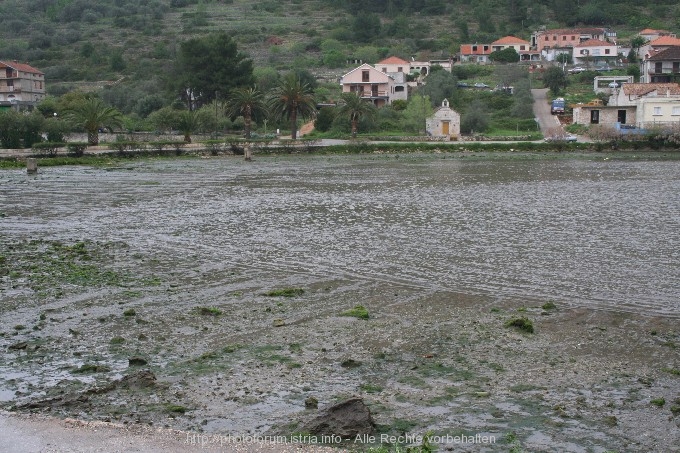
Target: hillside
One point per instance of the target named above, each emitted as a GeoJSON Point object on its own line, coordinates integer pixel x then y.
{"type": "Point", "coordinates": [134, 42]}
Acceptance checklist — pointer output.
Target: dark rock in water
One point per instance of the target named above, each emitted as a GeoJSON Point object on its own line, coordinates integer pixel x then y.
{"type": "Point", "coordinates": [140, 379]}
{"type": "Point", "coordinates": [311, 403]}
{"type": "Point", "coordinates": [18, 346]}
{"type": "Point", "coordinates": [347, 420]}
{"type": "Point", "coordinates": [137, 361]}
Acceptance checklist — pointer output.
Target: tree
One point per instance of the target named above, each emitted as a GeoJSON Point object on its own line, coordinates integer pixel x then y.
{"type": "Point", "coordinates": [366, 27]}
{"type": "Point", "coordinates": [208, 65]}
{"type": "Point", "coordinates": [246, 102]}
{"type": "Point", "coordinates": [508, 55]}
{"type": "Point", "coordinates": [92, 114]}
{"type": "Point", "coordinates": [188, 123]}
{"type": "Point", "coordinates": [440, 85]}
{"type": "Point", "coordinates": [324, 120]}
{"type": "Point", "coordinates": [555, 79]}
{"type": "Point", "coordinates": [476, 119]}
{"type": "Point", "coordinates": [354, 107]}
{"type": "Point", "coordinates": [416, 113]}
{"type": "Point", "coordinates": [290, 99]}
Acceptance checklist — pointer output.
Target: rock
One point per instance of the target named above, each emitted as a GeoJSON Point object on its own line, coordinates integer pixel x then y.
{"type": "Point", "coordinates": [18, 346]}
{"type": "Point", "coordinates": [279, 323]}
{"type": "Point", "coordinates": [350, 363]}
{"type": "Point", "coordinates": [311, 403]}
{"type": "Point", "coordinates": [137, 361]}
{"type": "Point", "coordinates": [347, 420]}
{"type": "Point", "coordinates": [138, 380]}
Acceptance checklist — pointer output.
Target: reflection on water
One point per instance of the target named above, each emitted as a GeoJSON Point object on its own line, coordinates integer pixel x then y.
{"type": "Point", "coordinates": [589, 233]}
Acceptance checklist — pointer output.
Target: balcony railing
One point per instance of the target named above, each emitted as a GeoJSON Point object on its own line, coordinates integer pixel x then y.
{"type": "Point", "coordinates": [10, 90]}
{"type": "Point", "coordinates": [664, 71]}
{"type": "Point", "coordinates": [373, 94]}
{"type": "Point", "coordinates": [11, 75]}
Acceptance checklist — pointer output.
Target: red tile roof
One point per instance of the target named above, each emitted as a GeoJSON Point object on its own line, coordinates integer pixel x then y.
{"type": "Point", "coordinates": [665, 41]}
{"type": "Point", "coordinates": [510, 40]}
{"type": "Point", "coordinates": [594, 43]}
{"type": "Point", "coordinates": [669, 53]}
{"type": "Point", "coordinates": [23, 67]}
{"type": "Point", "coordinates": [573, 31]}
{"type": "Point", "coordinates": [392, 60]}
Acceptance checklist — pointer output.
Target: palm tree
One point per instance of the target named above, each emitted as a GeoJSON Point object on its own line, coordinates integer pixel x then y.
{"type": "Point", "coordinates": [188, 122]}
{"type": "Point", "coordinates": [354, 107]}
{"type": "Point", "coordinates": [247, 102]}
{"type": "Point", "coordinates": [292, 98]}
{"type": "Point", "coordinates": [92, 114]}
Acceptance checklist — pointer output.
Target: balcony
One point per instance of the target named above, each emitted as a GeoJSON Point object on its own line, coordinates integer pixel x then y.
{"type": "Point", "coordinates": [8, 75]}
{"type": "Point", "coordinates": [10, 89]}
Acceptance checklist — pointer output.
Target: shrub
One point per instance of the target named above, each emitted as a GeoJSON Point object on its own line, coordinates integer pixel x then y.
{"type": "Point", "coordinates": [47, 148]}
{"type": "Point", "coordinates": [76, 149]}
{"type": "Point", "coordinates": [285, 292]}
{"type": "Point", "coordinates": [358, 311]}
{"type": "Point", "coordinates": [522, 323]}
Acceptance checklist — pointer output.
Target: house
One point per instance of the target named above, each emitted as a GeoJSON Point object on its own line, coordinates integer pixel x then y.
{"type": "Point", "coordinates": [649, 34]}
{"type": "Point", "coordinates": [393, 64]}
{"type": "Point", "coordinates": [475, 53]}
{"type": "Point", "coordinates": [569, 37]}
{"type": "Point", "coordinates": [22, 87]}
{"type": "Point", "coordinates": [522, 47]}
{"type": "Point", "coordinates": [381, 88]}
{"type": "Point", "coordinates": [594, 51]}
{"type": "Point", "coordinates": [445, 122]}
{"type": "Point", "coordinates": [641, 105]}
{"type": "Point", "coordinates": [657, 45]}
{"type": "Point", "coordinates": [661, 66]}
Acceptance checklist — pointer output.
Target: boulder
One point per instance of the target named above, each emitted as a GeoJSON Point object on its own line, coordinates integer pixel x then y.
{"type": "Point", "coordinates": [347, 420]}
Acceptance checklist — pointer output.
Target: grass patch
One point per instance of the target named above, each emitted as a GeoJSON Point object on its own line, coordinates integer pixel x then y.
{"type": "Point", "coordinates": [359, 312]}
{"type": "Point", "coordinates": [175, 409]}
{"type": "Point", "coordinates": [521, 323]}
{"type": "Point", "coordinates": [285, 292]}
{"type": "Point", "coordinates": [673, 371]}
{"type": "Point", "coordinates": [550, 305]}
{"type": "Point", "coordinates": [129, 312]}
{"type": "Point", "coordinates": [117, 340]}
{"type": "Point", "coordinates": [208, 311]}
{"type": "Point", "coordinates": [371, 388]}
{"type": "Point", "coordinates": [658, 402]}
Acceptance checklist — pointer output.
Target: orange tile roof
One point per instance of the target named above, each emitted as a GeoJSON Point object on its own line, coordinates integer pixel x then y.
{"type": "Point", "coordinates": [23, 67]}
{"type": "Point", "coordinates": [640, 89]}
{"type": "Point", "coordinates": [510, 40]}
{"type": "Point", "coordinates": [665, 41]}
{"type": "Point", "coordinates": [594, 43]}
{"type": "Point", "coordinates": [393, 60]}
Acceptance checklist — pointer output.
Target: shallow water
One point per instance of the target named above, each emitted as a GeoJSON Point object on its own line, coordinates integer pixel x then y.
{"type": "Point", "coordinates": [584, 232]}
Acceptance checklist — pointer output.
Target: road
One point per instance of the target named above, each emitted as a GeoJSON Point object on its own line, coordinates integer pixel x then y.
{"type": "Point", "coordinates": [546, 120]}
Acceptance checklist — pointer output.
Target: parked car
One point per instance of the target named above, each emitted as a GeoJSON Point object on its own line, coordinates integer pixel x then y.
{"type": "Point", "coordinates": [562, 138]}
{"type": "Point", "coordinates": [614, 84]}
{"type": "Point", "coordinates": [576, 70]}
{"type": "Point", "coordinates": [463, 85]}
{"type": "Point", "coordinates": [481, 85]}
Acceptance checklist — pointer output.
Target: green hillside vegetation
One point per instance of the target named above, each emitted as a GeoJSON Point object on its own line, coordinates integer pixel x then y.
{"type": "Point", "coordinates": [129, 52]}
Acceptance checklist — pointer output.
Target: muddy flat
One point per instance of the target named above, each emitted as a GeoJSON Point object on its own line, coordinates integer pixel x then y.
{"type": "Point", "coordinates": [532, 300]}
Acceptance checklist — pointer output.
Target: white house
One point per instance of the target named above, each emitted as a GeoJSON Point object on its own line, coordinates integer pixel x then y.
{"type": "Point", "coordinates": [594, 51]}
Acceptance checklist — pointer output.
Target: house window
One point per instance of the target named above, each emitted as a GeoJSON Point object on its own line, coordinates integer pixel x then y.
{"type": "Point", "coordinates": [564, 38]}
{"type": "Point", "coordinates": [676, 67]}
{"type": "Point", "coordinates": [594, 117]}
{"type": "Point", "coordinates": [384, 69]}
{"type": "Point", "coordinates": [657, 111]}
{"type": "Point", "coordinates": [522, 47]}
{"type": "Point", "coordinates": [554, 37]}
{"type": "Point", "coordinates": [676, 111]}
{"type": "Point", "coordinates": [606, 51]}
{"type": "Point", "coordinates": [400, 69]}
{"type": "Point", "coordinates": [573, 38]}
{"type": "Point", "coordinates": [474, 48]}
{"type": "Point", "coordinates": [365, 77]}
{"type": "Point", "coordinates": [658, 67]}
{"type": "Point", "coordinates": [486, 48]}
